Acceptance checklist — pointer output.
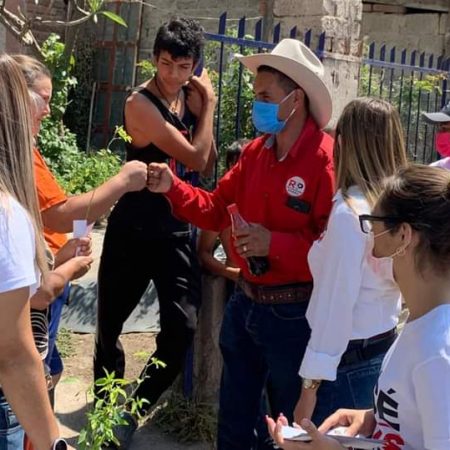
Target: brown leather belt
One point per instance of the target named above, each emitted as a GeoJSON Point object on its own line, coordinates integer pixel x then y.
{"type": "Point", "coordinates": [280, 294]}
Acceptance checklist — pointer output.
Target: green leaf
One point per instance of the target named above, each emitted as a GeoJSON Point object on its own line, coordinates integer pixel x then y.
{"type": "Point", "coordinates": [114, 17]}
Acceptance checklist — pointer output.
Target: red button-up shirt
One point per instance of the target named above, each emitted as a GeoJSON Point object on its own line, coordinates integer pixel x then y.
{"type": "Point", "coordinates": [261, 185]}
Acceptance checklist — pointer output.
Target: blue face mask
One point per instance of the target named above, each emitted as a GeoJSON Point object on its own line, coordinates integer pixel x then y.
{"type": "Point", "coordinates": [265, 116]}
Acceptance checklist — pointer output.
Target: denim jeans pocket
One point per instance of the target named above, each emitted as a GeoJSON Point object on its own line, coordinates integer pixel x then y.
{"type": "Point", "coordinates": [8, 420]}
{"type": "Point", "coordinates": [362, 379]}
{"type": "Point", "coordinates": [291, 311]}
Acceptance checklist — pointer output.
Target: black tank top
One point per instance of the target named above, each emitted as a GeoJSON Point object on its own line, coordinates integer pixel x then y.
{"type": "Point", "coordinates": [145, 210]}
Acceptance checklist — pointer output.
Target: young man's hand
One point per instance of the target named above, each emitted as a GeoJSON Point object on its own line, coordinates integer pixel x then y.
{"type": "Point", "coordinates": [194, 100]}
{"type": "Point", "coordinates": [160, 178]}
{"type": "Point", "coordinates": [204, 86]}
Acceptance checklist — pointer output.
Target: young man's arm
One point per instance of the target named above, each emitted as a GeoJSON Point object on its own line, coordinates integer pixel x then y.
{"type": "Point", "coordinates": [146, 125]}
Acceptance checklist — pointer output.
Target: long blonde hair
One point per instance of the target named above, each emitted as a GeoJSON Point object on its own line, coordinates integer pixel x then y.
{"type": "Point", "coordinates": [369, 146]}
{"type": "Point", "coordinates": [16, 147]}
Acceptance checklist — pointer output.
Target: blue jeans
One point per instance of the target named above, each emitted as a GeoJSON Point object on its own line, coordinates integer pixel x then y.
{"type": "Point", "coordinates": [352, 389]}
{"type": "Point", "coordinates": [53, 358]}
{"type": "Point", "coordinates": [11, 433]}
{"type": "Point", "coordinates": [258, 341]}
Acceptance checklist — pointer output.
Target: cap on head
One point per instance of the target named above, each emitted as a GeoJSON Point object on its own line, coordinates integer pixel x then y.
{"type": "Point", "coordinates": [441, 116]}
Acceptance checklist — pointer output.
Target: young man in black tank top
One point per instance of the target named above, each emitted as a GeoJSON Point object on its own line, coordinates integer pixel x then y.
{"type": "Point", "coordinates": [170, 123]}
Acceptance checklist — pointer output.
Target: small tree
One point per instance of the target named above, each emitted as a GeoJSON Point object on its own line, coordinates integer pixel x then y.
{"type": "Point", "coordinates": [22, 26]}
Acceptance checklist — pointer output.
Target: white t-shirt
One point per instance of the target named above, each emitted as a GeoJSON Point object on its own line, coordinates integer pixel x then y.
{"type": "Point", "coordinates": [17, 247]}
{"type": "Point", "coordinates": [349, 300]}
{"type": "Point", "coordinates": [444, 163]}
{"type": "Point", "coordinates": [412, 398]}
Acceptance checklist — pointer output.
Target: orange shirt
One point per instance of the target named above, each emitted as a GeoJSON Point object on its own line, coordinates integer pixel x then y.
{"type": "Point", "coordinates": [49, 194]}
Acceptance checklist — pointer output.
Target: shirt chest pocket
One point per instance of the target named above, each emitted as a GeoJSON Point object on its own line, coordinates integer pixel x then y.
{"type": "Point", "coordinates": [295, 211]}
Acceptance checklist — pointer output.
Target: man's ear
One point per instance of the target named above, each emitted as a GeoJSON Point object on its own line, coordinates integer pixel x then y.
{"type": "Point", "coordinates": [299, 96]}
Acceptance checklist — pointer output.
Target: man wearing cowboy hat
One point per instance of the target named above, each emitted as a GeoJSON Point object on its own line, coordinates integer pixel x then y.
{"type": "Point", "coordinates": [442, 120]}
{"type": "Point", "coordinates": [282, 186]}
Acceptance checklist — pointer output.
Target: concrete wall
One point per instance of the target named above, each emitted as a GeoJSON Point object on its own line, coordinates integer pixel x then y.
{"type": "Point", "coordinates": [341, 22]}
{"type": "Point", "coordinates": [207, 11]}
{"type": "Point", "coordinates": [420, 25]}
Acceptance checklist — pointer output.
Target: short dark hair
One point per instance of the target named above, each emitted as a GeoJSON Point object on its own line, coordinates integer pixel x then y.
{"type": "Point", "coordinates": [181, 37]}
{"type": "Point", "coordinates": [234, 151]}
{"type": "Point", "coordinates": [287, 84]}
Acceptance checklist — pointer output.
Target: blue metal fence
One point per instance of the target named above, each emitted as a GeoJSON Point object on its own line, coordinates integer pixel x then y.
{"type": "Point", "coordinates": [414, 83]}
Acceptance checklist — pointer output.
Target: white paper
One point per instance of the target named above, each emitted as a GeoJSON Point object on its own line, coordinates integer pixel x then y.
{"type": "Point", "coordinates": [81, 229]}
{"type": "Point", "coordinates": [361, 442]}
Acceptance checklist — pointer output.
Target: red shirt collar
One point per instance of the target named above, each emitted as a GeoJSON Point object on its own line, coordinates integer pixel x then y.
{"type": "Point", "coordinates": [308, 133]}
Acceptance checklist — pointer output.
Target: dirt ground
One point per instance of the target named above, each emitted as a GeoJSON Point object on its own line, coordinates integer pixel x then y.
{"type": "Point", "coordinates": [71, 402]}
{"type": "Point", "coordinates": [138, 347]}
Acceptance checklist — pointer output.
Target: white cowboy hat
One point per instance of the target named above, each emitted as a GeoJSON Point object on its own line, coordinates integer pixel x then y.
{"type": "Point", "coordinates": [295, 60]}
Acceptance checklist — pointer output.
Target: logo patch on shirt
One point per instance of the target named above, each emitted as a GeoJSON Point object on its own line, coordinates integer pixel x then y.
{"type": "Point", "coordinates": [295, 186]}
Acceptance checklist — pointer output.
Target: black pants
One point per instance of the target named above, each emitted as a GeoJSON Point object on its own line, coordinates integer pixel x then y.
{"type": "Point", "coordinates": [129, 260]}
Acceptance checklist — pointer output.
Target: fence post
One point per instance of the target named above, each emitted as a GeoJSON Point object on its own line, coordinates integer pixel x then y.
{"type": "Point", "coordinates": [340, 20]}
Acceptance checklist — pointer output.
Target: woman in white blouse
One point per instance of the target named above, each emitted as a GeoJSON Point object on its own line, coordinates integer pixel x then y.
{"type": "Point", "coordinates": [354, 307]}
{"type": "Point", "coordinates": [411, 228]}
{"type": "Point", "coordinates": [22, 260]}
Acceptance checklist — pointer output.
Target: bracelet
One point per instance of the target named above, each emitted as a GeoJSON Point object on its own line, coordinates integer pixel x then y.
{"type": "Point", "coordinates": [59, 444]}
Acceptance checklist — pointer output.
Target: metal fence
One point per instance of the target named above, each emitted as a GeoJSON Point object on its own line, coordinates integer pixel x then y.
{"type": "Point", "coordinates": [414, 83]}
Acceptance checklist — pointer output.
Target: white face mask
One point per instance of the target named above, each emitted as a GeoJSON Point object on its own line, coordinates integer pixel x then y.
{"type": "Point", "coordinates": [383, 266]}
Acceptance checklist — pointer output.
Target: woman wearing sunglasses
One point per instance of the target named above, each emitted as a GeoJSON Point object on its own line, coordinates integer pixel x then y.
{"type": "Point", "coordinates": [411, 228]}
{"type": "Point", "coordinates": [355, 303]}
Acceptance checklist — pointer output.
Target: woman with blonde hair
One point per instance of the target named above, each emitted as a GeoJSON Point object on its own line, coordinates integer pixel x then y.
{"type": "Point", "coordinates": [58, 210]}
{"type": "Point", "coordinates": [355, 305]}
{"type": "Point", "coordinates": [22, 260]}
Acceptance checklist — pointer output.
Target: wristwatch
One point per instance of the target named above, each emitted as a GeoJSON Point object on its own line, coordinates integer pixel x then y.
{"type": "Point", "coordinates": [310, 384]}
{"type": "Point", "coordinates": [59, 444]}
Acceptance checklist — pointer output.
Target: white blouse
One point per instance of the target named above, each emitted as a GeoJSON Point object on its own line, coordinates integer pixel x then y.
{"type": "Point", "coordinates": [349, 301]}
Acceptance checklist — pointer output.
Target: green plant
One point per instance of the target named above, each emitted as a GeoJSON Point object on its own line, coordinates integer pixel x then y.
{"type": "Point", "coordinates": [146, 69]}
{"type": "Point", "coordinates": [110, 401]}
{"type": "Point", "coordinates": [65, 343]}
{"type": "Point", "coordinates": [188, 420]}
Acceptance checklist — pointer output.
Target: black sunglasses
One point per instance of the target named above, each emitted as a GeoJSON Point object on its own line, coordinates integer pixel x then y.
{"type": "Point", "coordinates": [365, 221]}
